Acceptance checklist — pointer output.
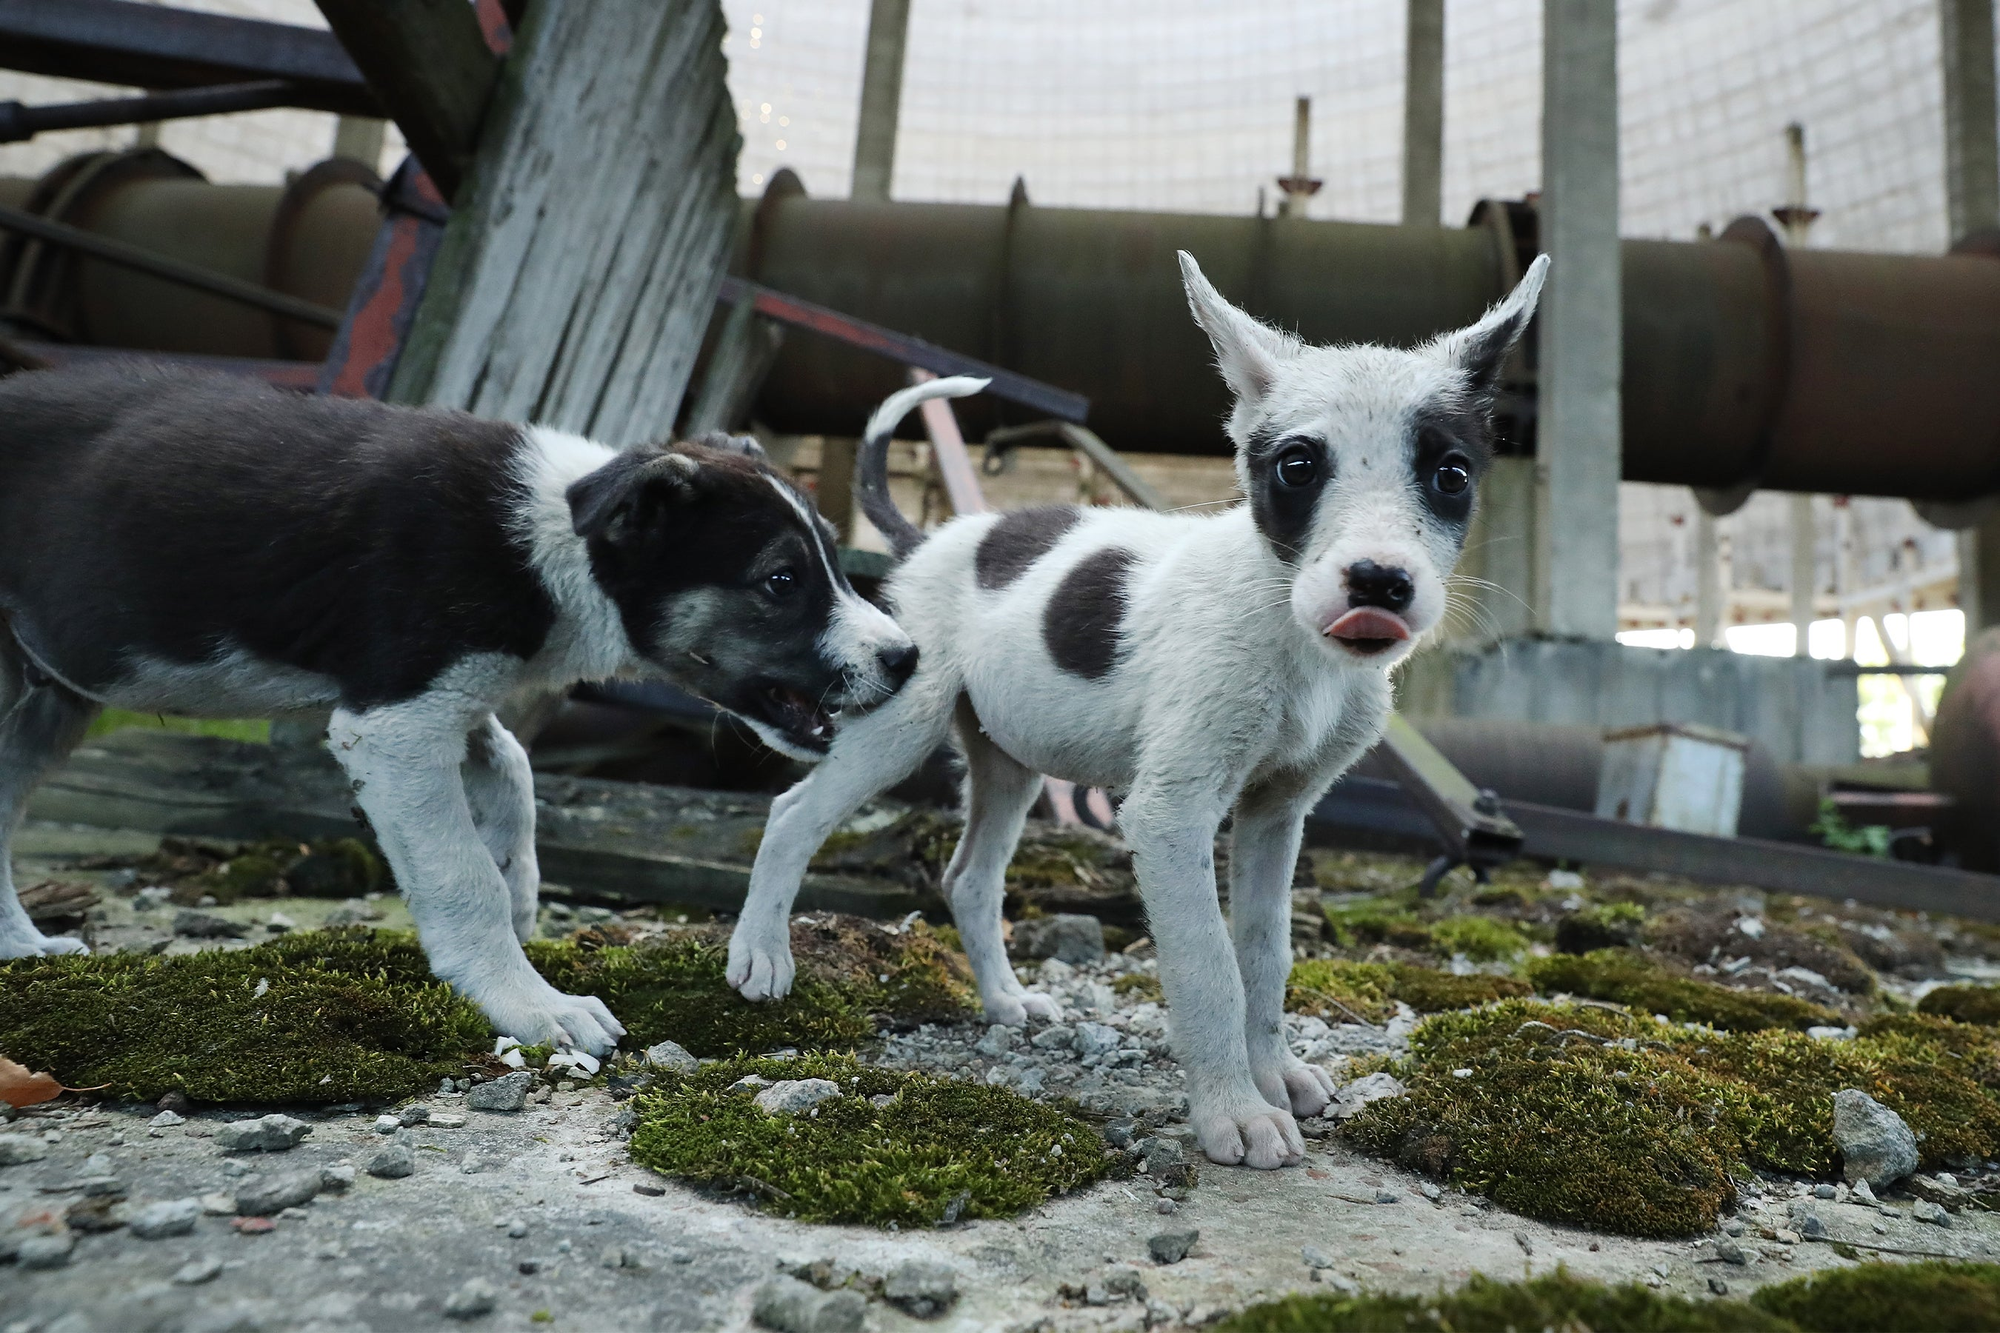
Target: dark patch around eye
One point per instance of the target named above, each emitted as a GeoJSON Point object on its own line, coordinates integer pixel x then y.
{"type": "Point", "coordinates": [1462, 436]}
{"type": "Point", "coordinates": [1017, 541]}
{"type": "Point", "coordinates": [1082, 624]}
{"type": "Point", "coordinates": [1284, 514]}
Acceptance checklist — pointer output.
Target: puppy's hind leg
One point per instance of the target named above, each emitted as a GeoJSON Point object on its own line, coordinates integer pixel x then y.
{"type": "Point", "coordinates": [999, 791]}
{"type": "Point", "coordinates": [500, 787]}
{"type": "Point", "coordinates": [39, 726]}
{"type": "Point", "coordinates": [869, 754]}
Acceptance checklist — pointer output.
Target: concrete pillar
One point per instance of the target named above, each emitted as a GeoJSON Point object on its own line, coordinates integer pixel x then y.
{"type": "Point", "coordinates": [359, 139]}
{"type": "Point", "coordinates": [1805, 573]}
{"type": "Point", "coordinates": [1708, 586]}
{"type": "Point", "coordinates": [1423, 114]}
{"type": "Point", "coordinates": [1972, 196]}
{"type": "Point", "coordinates": [1500, 556]}
{"type": "Point", "coordinates": [1577, 454]}
{"type": "Point", "coordinates": [881, 99]}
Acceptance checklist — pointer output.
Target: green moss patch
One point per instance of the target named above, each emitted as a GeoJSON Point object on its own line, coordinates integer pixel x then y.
{"type": "Point", "coordinates": [1480, 938]}
{"type": "Point", "coordinates": [676, 989]}
{"type": "Point", "coordinates": [1343, 992]}
{"type": "Point", "coordinates": [1625, 977]}
{"type": "Point", "coordinates": [1557, 1301]}
{"type": "Point", "coordinates": [1591, 1116]}
{"type": "Point", "coordinates": [323, 1016]}
{"type": "Point", "coordinates": [1966, 1004]}
{"type": "Point", "coordinates": [932, 1149]}
{"type": "Point", "coordinates": [1889, 1298]}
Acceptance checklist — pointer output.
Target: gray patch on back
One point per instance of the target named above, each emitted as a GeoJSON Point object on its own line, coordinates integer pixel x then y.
{"type": "Point", "coordinates": [1018, 540]}
{"type": "Point", "coordinates": [1082, 622]}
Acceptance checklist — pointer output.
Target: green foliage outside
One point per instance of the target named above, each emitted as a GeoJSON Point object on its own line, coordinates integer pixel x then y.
{"type": "Point", "coordinates": [933, 1146]}
{"type": "Point", "coordinates": [230, 729]}
{"type": "Point", "coordinates": [1871, 1298]}
{"type": "Point", "coordinates": [1834, 831]}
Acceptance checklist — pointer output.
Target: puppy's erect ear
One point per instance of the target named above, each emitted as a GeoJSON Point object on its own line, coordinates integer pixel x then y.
{"type": "Point", "coordinates": [614, 501]}
{"type": "Point", "coordinates": [724, 442]}
{"type": "Point", "coordinates": [1478, 350]}
{"type": "Point", "coordinates": [1247, 352]}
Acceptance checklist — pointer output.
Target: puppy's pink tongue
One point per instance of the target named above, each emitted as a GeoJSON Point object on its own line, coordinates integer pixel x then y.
{"type": "Point", "coordinates": [1368, 629]}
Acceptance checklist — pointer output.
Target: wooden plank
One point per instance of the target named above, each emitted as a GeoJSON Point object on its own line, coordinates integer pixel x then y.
{"type": "Point", "coordinates": [429, 64]}
{"type": "Point", "coordinates": [611, 841]}
{"type": "Point", "coordinates": [579, 272]}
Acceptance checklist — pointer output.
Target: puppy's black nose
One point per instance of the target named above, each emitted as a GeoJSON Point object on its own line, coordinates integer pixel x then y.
{"type": "Point", "coordinates": [1370, 584]}
{"type": "Point", "coordinates": [898, 663]}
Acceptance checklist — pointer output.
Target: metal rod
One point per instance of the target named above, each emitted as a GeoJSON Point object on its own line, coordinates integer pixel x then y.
{"type": "Point", "coordinates": [173, 270]}
{"type": "Point", "coordinates": [1015, 388]}
{"type": "Point", "coordinates": [18, 122]}
{"type": "Point", "coordinates": [1086, 442]}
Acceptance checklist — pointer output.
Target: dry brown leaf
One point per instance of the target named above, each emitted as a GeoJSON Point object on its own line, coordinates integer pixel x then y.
{"type": "Point", "coordinates": [18, 1087]}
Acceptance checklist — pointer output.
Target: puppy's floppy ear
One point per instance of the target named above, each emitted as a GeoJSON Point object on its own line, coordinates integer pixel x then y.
{"type": "Point", "coordinates": [1478, 350]}
{"type": "Point", "coordinates": [1247, 352]}
{"type": "Point", "coordinates": [614, 501]}
{"type": "Point", "coordinates": [724, 442]}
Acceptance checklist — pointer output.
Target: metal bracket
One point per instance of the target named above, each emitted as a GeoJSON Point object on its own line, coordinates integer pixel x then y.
{"type": "Point", "coordinates": [1469, 820]}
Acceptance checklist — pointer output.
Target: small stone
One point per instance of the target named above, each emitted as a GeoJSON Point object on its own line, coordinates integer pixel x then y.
{"type": "Point", "coordinates": [1875, 1144]}
{"type": "Point", "coordinates": [1786, 1236]}
{"type": "Point", "coordinates": [648, 1188]}
{"type": "Point", "coordinates": [336, 1179]}
{"type": "Point", "coordinates": [274, 1194]}
{"type": "Point", "coordinates": [924, 1288]}
{"type": "Point", "coordinates": [392, 1162]}
{"type": "Point", "coordinates": [473, 1299]}
{"type": "Point", "coordinates": [1385, 1196]}
{"type": "Point", "coordinates": [1058, 1037]}
{"type": "Point", "coordinates": [794, 1096]}
{"type": "Point", "coordinates": [1730, 1252]}
{"type": "Point", "coordinates": [1067, 936]}
{"type": "Point", "coordinates": [197, 1271]}
{"type": "Point", "coordinates": [791, 1306]}
{"type": "Point", "coordinates": [94, 1215]}
{"type": "Point", "coordinates": [412, 1116]}
{"type": "Point", "coordinates": [447, 1120]}
{"type": "Point", "coordinates": [1933, 1213]}
{"type": "Point", "coordinates": [174, 1100]}
{"type": "Point", "coordinates": [170, 1217]}
{"type": "Point", "coordinates": [1824, 1191]}
{"type": "Point", "coordinates": [1863, 1195]}
{"type": "Point", "coordinates": [1315, 1257]}
{"type": "Point", "coordinates": [1943, 1188]}
{"type": "Point", "coordinates": [672, 1057]}
{"type": "Point", "coordinates": [1431, 1192]}
{"type": "Point", "coordinates": [387, 1124]}
{"type": "Point", "coordinates": [1735, 1226]}
{"type": "Point", "coordinates": [506, 1093]}
{"type": "Point", "coordinates": [1170, 1247]}
{"type": "Point", "coordinates": [1094, 1041]}
{"type": "Point", "coordinates": [516, 1229]}
{"type": "Point", "coordinates": [1717, 1287]}
{"type": "Point", "coordinates": [218, 1204]}
{"type": "Point", "coordinates": [999, 1040]}
{"type": "Point", "coordinates": [271, 1133]}
{"type": "Point", "coordinates": [208, 926]}
{"type": "Point", "coordinates": [1811, 1228]}
{"type": "Point", "coordinates": [1166, 1206]}
{"type": "Point", "coordinates": [166, 1120]}
{"type": "Point", "coordinates": [19, 1150]}
{"type": "Point", "coordinates": [45, 1251]}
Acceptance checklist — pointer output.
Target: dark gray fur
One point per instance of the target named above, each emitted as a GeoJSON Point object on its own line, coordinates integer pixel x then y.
{"type": "Point", "coordinates": [1083, 623]}
{"type": "Point", "coordinates": [1018, 540]}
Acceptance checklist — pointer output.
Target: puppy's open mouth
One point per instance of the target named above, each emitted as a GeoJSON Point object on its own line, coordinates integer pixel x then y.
{"type": "Point", "coordinates": [1368, 630]}
{"type": "Point", "coordinates": [801, 717]}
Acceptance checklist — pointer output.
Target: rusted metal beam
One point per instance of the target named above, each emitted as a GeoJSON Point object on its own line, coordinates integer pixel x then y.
{"type": "Point", "coordinates": [430, 65]}
{"type": "Point", "coordinates": [159, 47]}
{"type": "Point", "coordinates": [160, 266]}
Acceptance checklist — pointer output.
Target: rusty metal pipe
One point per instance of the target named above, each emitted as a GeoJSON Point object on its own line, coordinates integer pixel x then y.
{"type": "Point", "coordinates": [1744, 363]}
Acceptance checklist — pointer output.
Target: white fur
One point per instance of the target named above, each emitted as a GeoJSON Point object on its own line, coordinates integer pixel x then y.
{"type": "Point", "coordinates": [1226, 697]}
{"type": "Point", "coordinates": [588, 641]}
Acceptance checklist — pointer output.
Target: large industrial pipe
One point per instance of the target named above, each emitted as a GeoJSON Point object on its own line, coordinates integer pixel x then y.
{"type": "Point", "coordinates": [1744, 363]}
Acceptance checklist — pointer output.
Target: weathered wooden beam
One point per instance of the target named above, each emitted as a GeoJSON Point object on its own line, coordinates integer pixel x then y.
{"type": "Point", "coordinates": [429, 65]}
{"type": "Point", "coordinates": [579, 271]}
{"type": "Point", "coordinates": [611, 841]}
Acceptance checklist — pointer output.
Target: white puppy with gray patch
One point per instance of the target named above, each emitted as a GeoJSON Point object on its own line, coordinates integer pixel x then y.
{"type": "Point", "coordinates": [1233, 663]}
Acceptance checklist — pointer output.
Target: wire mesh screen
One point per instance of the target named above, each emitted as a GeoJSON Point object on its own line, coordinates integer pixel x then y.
{"type": "Point", "coordinates": [1186, 105]}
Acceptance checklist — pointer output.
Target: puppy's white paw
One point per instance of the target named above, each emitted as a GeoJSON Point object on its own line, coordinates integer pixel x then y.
{"type": "Point", "coordinates": [1305, 1090]}
{"type": "Point", "coordinates": [1254, 1134]}
{"type": "Point", "coordinates": [37, 945]}
{"type": "Point", "coordinates": [1040, 1006]}
{"type": "Point", "coordinates": [547, 1017]}
{"type": "Point", "coordinates": [760, 962]}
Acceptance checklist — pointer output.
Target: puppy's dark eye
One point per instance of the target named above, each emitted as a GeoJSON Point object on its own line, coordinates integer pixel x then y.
{"type": "Point", "coordinates": [781, 583]}
{"type": "Point", "coordinates": [1451, 478]}
{"type": "Point", "coordinates": [1296, 467]}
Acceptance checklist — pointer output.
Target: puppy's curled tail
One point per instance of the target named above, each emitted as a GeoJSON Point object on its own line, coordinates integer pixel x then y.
{"type": "Point", "coordinates": [871, 464]}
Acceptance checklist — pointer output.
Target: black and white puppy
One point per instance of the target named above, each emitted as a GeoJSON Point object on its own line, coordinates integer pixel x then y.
{"type": "Point", "coordinates": [1204, 665]}
{"type": "Point", "coordinates": [213, 547]}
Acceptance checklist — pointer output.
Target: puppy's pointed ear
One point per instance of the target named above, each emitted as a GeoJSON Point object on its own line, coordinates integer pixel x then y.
{"type": "Point", "coordinates": [1479, 350]}
{"type": "Point", "coordinates": [615, 501]}
{"type": "Point", "coordinates": [1247, 352]}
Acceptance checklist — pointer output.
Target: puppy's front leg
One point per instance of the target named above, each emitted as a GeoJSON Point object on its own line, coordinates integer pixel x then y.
{"type": "Point", "coordinates": [1264, 847]}
{"type": "Point", "coordinates": [500, 787]}
{"type": "Point", "coordinates": [403, 764]}
{"type": "Point", "coordinates": [1172, 834]}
